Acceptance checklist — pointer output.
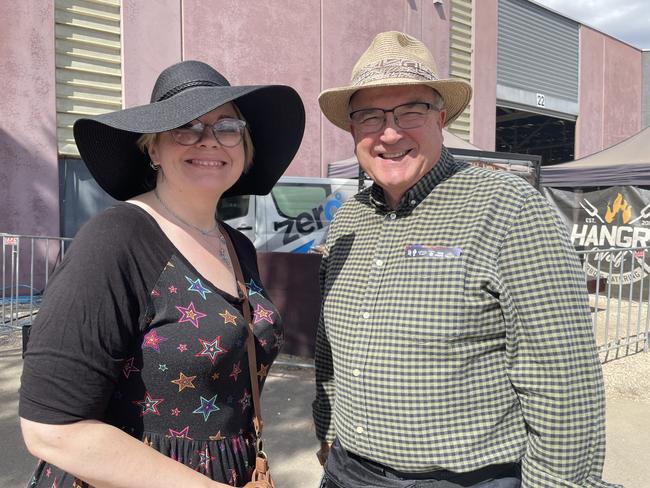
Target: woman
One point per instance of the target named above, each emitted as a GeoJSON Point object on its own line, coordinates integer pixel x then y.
{"type": "Point", "coordinates": [136, 373]}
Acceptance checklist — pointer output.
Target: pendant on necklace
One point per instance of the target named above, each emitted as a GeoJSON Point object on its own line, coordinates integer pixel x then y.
{"type": "Point", "coordinates": [223, 252]}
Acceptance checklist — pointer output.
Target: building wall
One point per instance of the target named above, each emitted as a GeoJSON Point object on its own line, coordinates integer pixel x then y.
{"type": "Point", "coordinates": [484, 82]}
{"type": "Point", "coordinates": [151, 39]}
{"type": "Point", "coordinates": [254, 43]}
{"type": "Point", "coordinates": [645, 79]}
{"type": "Point", "coordinates": [610, 92]}
{"type": "Point", "coordinates": [315, 45]}
{"type": "Point", "coordinates": [29, 195]}
{"type": "Point", "coordinates": [343, 42]}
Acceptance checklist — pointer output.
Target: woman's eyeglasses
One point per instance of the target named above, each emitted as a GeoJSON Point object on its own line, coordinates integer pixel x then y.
{"type": "Point", "coordinates": [227, 132]}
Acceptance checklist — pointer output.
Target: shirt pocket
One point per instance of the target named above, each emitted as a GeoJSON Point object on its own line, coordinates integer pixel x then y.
{"type": "Point", "coordinates": [431, 298]}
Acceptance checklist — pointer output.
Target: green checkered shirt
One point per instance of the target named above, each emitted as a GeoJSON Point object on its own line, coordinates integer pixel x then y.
{"type": "Point", "coordinates": [474, 349]}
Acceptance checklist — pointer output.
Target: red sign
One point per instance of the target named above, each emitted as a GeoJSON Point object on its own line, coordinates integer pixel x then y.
{"type": "Point", "coordinates": [10, 241]}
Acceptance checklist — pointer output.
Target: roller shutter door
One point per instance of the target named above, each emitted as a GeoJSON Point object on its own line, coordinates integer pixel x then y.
{"type": "Point", "coordinates": [88, 64]}
{"type": "Point", "coordinates": [537, 59]}
{"type": "Point", "coordinates": [460, 65]}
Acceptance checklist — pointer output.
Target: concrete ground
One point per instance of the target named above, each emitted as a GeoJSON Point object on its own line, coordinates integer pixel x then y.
{"type": "Point", "coordinates": [289, 433]}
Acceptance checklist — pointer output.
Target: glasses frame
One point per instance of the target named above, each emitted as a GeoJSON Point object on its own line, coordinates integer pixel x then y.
{"type": "Point", "coordinates": [429, 108]}
{"type": "Point", "coordinates": [194, 129]}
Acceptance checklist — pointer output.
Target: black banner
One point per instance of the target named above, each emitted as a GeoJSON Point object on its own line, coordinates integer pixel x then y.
{"type": "Point", "coordinates": [616, 217]}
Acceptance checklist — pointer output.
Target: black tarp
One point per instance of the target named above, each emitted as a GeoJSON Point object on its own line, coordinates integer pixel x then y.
{"type": "Point", "coordinates": [624, 164]}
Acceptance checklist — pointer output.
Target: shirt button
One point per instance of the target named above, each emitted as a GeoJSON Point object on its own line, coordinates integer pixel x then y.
{"type": "Point", "coordinates": [379, 263]}
{"type": "Point", "coordinates": [359, 430]}
{"type": "Point", "coordinates": [365, 315]}
{"type": "Point", "coordinates": [356, 372]}
{"type": "Point", "coordinates": [412, 202]}
{"type": "Point", "coordinates": [392, 216]}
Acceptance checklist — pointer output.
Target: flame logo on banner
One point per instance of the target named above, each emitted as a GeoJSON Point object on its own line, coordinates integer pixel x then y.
{"type": "Point", "coordinates": [619, 206]}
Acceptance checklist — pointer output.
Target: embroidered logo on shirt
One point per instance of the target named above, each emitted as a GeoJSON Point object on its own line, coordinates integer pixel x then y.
{"type": "Point", "coordinates": [424, 251]}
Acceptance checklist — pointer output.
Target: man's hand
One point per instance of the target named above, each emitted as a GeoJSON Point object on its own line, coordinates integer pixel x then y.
{"type": "Point", "coordinates": [323, 452]}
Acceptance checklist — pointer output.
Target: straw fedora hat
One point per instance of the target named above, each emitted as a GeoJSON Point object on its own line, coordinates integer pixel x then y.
{"type": "Point", "coordinates": [394, 58]}
{"type": "Point", "coordinates": [183, 92]}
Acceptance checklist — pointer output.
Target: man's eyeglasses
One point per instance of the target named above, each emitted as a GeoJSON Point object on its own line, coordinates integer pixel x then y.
{"type": "Point", "coordinates": [227, 132]}
{"type": "Point", "coordinates": [406, 116]}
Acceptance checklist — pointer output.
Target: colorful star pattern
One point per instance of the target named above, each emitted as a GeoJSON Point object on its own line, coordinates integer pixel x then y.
{"type": "Point", "coordinates": [216, 437]}
{"type": "Point", "coordinates": [180, 385]}
{"type": "Point", "coordinates": [181, 434]}
{"type": "Point", "coordinates": [184, 382]}
{"type": "Point", "coordinates": [211, 349]}
{"type": "Point", "coordinates": [128, 367]}
{"type": "Point", "coordinates": [204, 460]}
{"type": "Point", "coordinates": [236, 369]}
{"type": "Point", "coordinates": [245, 401]}
{"type": "Point", "coordinates": [153, 340]}
{"type": "Point", "coordinates": [253, 288]}
{"type": "Point", "coordinates": [190, 314]}
{"type": "Point", "coordinates": [149, 405]}
{"type": "Point", "coordinates": [228, 318]}
{"type": "Point", "coordinates": [262, 313]}
{"type": "Point", "coordinates": [207, 407]}
{"type": "Point", "coordinates": [232, 479]}
{"type": "Point", "coordinates": [279, 340]}
{"type": "Point", "coordinates": [263, 371]}
{"type": "Point", "coordinates": [197, 286]}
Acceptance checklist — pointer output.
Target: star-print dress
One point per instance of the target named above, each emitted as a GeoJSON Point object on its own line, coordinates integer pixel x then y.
{"type": "Point", "coordinates": [131, 334]}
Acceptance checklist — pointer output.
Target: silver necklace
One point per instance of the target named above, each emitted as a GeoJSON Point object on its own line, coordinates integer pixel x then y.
{"type": "Point", "coordinates": [222, 253]}
{"type": "Point", "coordinates": [183, 221]}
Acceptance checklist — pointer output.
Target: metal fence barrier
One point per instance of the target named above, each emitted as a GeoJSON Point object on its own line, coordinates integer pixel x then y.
{"type": "Point", "coordinates": [618, 280]}
{"type": "Point", "coordinates": [27, 262]}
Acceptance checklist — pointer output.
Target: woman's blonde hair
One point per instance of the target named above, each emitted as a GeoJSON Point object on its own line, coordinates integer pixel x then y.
{"type": "Point", "coordinates": [146, 140]}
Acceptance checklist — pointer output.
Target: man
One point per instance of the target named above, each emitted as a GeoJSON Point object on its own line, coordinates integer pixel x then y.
{"type": "Point", "coordinates": [455, 341]}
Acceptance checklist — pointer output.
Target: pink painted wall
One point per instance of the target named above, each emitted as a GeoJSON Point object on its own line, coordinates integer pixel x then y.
{"type": "Point", "coordinates": [610, 92]}
{"type": "Point", "coordinates": [260, 43]}
{"type": "Point", "coordinates": [151, 36]}
{"type": "Point", "coordinates": [311, 46]}
{"type": "Point", "coordinates": [29, 196]}
{"type": "Point", "coordinates": [343, 41]}
{"type": "Point", "coordinates": [484, 75]}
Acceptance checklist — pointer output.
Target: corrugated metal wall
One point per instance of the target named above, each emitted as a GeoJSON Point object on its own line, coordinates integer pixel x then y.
{"type": "Point", "coordinates": [460, 51]}
{"type": "Point", "coordinates": [537, 59]}
{"type": "Point", "coordinates": [88, 63]}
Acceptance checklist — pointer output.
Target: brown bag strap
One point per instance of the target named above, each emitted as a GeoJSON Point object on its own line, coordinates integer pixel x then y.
{"type": "Point", "coordinates": [250, 342]}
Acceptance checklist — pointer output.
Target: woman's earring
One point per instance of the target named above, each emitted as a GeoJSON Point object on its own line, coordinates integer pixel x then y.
{"type": "Point", "coordinates": [154, 166]}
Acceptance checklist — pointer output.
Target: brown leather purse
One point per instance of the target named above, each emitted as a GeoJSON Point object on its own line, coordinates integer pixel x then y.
{"type": "Point", "coordinates": [261, 477]}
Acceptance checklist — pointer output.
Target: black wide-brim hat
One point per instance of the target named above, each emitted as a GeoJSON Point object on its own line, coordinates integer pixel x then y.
{"type": "Point", "coordinates": [275, 117]}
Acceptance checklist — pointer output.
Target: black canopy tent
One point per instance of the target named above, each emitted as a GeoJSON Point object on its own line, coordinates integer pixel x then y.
{"type": "Point", "coordinates": [605, 201]}
{"type": "Point", "coordinates": [624, 164]}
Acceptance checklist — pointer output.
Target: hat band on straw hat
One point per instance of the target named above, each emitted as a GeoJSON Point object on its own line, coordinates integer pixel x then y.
{"type": "Point", "coordinates": [392, 69]}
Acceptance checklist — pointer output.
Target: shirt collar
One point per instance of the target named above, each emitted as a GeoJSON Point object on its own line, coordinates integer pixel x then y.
{"type": "Point", "coordinates": [444, 168]}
